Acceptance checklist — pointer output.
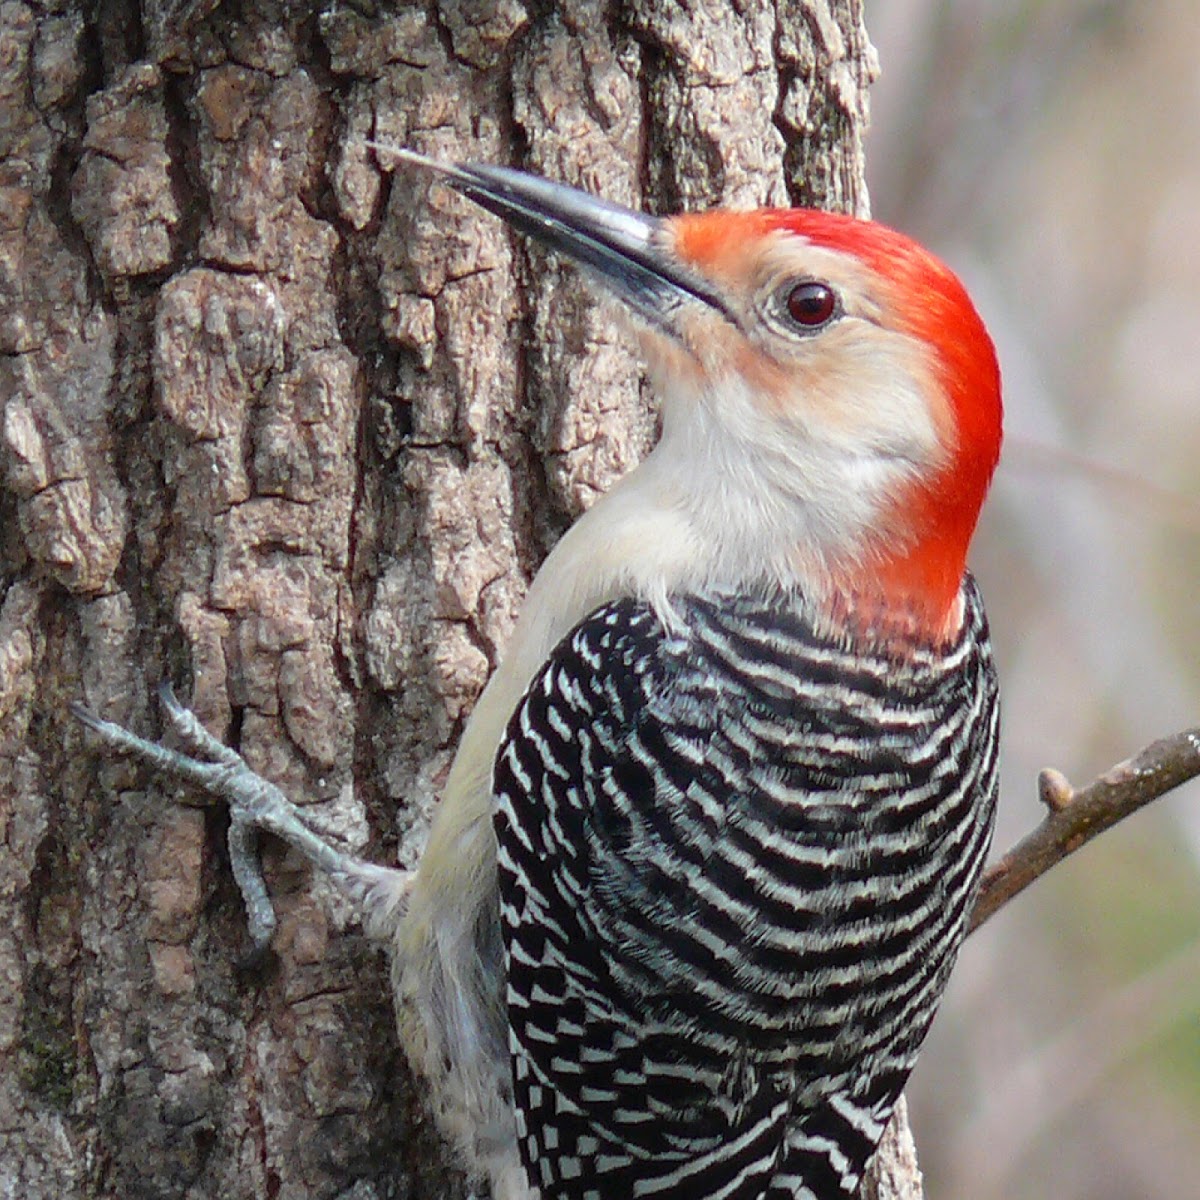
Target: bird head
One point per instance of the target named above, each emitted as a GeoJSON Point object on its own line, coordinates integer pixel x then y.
{"type": "Point", "coordinates": [831, 398]}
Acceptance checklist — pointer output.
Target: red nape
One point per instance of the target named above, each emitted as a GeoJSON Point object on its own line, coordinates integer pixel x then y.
{"type": "Point", "coordinates": [922, 297]}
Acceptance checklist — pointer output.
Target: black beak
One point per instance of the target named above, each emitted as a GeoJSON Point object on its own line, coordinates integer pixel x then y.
{"type": "Point", "coordinates": [624, 248]}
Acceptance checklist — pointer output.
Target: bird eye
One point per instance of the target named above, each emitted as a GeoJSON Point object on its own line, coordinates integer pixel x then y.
{"type": "Point", "coordinates": [811, 304]}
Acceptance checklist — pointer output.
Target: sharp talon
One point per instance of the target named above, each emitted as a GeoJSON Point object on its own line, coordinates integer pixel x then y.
{"type": "Point", "coordinates": [84, 715]}
{"type": "Point", "coordinates": [247, 871]}
{"type": "Point", "coordinates": [218, 772]}
{"type": "Point", "coordinates": [253, 959]}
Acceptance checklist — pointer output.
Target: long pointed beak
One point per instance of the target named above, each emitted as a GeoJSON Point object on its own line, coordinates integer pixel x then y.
{"type": "Point", "coordinates": [624, 248]}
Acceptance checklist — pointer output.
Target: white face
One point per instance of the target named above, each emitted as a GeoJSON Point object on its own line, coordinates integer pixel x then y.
{"type": "Point", "coordinates": [818, 410]}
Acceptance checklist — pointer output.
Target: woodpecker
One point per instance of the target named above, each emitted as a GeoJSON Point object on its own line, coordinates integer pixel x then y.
{"type": "Point", "coordinates": [710, 841]}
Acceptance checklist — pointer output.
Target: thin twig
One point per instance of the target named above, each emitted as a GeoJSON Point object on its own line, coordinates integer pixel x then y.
{"type": "Point", "coordinates": [1077, 816]}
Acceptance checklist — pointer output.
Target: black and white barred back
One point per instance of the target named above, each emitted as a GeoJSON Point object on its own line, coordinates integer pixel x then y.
{"type": "Point", "coordinates": [736, 863]}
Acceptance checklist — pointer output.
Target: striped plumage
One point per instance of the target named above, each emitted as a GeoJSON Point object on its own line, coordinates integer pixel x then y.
{"type": "Point", "coordinates": [736, 861]}
{"type": "Point", "coordinates": [749, 770]}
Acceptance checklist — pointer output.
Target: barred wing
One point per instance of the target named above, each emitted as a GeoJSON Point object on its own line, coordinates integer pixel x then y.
{"type": "Point", "coordinates": [735, 867]}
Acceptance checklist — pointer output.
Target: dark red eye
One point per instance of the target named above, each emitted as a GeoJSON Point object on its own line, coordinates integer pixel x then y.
{"type": "Point", "coordinates": [811, 304]}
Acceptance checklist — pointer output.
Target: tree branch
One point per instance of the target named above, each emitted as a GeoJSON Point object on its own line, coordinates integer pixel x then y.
{"type": "Point", "coordinates": [1078, 816]}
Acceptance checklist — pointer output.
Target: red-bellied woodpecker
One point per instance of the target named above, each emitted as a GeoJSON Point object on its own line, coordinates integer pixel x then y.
{"type": "Point", "coordinates": [709, 845]}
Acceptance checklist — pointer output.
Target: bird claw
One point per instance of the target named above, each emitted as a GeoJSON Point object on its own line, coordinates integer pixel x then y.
{"type": "Point", "coordinates": [254, 803]}
{"type": "Point", "coordinates": [206, 774]}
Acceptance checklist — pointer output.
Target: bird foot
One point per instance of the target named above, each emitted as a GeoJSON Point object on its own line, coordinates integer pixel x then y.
{"type": "Point", "coordinates": [254, 803]}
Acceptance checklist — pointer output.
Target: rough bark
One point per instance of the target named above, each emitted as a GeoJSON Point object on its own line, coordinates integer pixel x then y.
{"type": "Point", "coordinates": [295, 434]}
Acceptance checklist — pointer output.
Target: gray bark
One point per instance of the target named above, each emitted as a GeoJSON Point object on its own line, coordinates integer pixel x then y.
{"type": "Point", "coordinates": [295, 433]}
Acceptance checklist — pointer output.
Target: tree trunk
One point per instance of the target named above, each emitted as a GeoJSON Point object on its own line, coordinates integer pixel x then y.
{"type": "Point", "coordinates": [294, 433]}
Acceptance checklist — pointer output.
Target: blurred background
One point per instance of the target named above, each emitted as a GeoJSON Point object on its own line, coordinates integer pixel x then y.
{"type": "Point", "coordinates": [1050, 150]}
